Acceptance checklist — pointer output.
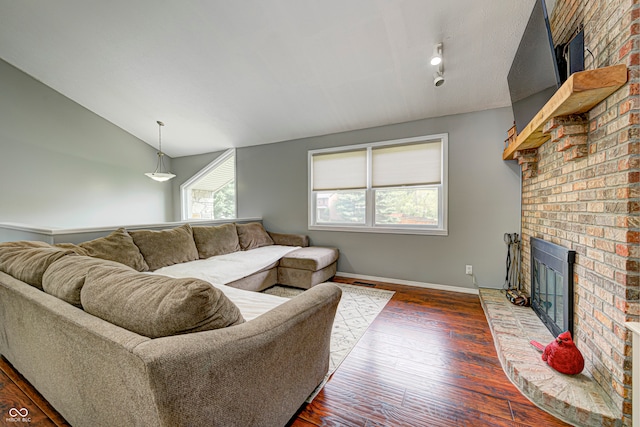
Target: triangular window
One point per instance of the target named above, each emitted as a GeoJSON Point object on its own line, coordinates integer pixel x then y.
{"type": "Point", "coordinates": [211, 193]}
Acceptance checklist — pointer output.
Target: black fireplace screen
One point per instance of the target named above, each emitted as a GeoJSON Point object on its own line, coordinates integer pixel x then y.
{"type": "Point", "coordinates": [552, 285]}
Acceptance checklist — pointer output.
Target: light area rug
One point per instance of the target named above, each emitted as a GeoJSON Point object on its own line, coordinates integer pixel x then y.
{"type": "Point", "coordinates": [357, 309]}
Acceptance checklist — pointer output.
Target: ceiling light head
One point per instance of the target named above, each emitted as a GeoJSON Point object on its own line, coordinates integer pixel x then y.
{"type": "Point", "coordinates": [438, 79]}
{"type": "Point", "coordinates": [436, 58]}
{"type": "Point", "coordinates": [159, 174]}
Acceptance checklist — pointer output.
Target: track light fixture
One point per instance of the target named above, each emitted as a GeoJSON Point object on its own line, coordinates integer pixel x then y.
{"type": "Point", "coordinates": [437, 61]}
{"type": "Point", "coordinates": [438, 79]}
{"type": "Point", "coordinates": [436, 58]}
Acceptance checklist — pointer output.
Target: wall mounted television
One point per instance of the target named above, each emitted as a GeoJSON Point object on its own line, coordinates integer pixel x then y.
{"type": "Point", "coordinates": [534, 75]}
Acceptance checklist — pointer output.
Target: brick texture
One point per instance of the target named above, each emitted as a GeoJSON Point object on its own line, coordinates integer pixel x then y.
{"type": "Point", "coordinates": [585, 194]}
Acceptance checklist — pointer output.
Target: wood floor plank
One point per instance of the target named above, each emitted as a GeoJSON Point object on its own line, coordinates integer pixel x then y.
{"type": "Point", "coordinates": [452, 352]}
{"type": "Point", "coordinates": [456, 399]}
{"type": "Point", "coordinates": [12, 383]}
{"type": "Point", "coordinates": [316, 413]}
{"type": "Point", "coordinates": [13, 399]}
{"type": "Point", "coordinates": [524, 412]}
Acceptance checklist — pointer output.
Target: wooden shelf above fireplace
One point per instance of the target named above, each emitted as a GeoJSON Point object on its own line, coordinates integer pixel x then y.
{"type": "Point", "coordinates": [580, 93]}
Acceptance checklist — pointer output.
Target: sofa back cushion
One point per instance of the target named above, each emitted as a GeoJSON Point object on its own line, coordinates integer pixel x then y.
{"type": "Point", "coordinates": [156, 306]}
{"type": "Point", "coordinates": [117, 246]}
{"type": "Point", "coordinates": [216, 240]}
{"type": "Point", "coordinates": [166, 247]}
{"type": "Point", "coordinates": [253, 235]}
{"type": "Point", "coordinates": [65, 278]}
{"type": "Point", "coordinates": [27, 261]}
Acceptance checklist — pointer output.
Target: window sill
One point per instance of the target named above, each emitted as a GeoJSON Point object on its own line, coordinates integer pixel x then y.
{"type": "Point", "coordinates": [382, 230]}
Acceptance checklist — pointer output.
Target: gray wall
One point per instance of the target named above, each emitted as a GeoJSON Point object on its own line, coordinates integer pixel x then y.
{"type": "Point", "coordinates": [63, 166]}
{"type": "Point", "coordinates": [484, 200]}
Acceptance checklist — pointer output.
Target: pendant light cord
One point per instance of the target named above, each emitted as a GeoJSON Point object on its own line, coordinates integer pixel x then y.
{"type": "Point", "coordinates": [160, 124]}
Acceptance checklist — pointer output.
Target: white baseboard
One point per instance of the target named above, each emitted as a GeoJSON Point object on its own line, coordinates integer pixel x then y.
{"type": "Point", "coordinates": [473, 291]}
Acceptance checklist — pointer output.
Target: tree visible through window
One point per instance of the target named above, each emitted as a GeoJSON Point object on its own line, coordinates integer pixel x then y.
{"type": "Point", "coordinates": [211, 193]}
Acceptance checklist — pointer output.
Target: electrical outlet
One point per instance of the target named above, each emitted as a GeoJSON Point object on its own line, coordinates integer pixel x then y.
{"type": "Point", "coordinates": [468, 270]}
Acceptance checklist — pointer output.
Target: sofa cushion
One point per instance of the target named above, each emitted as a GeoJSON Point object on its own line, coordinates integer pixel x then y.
{"type": "Point", "coordinates": [65, 278]}
{"type": "Point", "coordinates": [72, 246]}
{"type": "Point", "coordinates": [287, 239]}
{"type": "Point", "coordinates": [253, 235]}
{"type": "Point", "coordinates": [154, 305]}
{"type": "Point", "coordinates": [117, 246]}
{"type": "Point", "coordinates": [313, 258]}
{"type": "Point", "coordinates": [216, 240]}
{"type": "Point", "coordinates": [166, 247]}
{"type": "Point", "coordinates": [27, 261]}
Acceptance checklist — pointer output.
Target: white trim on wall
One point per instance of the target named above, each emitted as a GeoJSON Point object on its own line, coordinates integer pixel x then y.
{"type": "Point", "coordinates": [473, 291]}
{"type": "Point", "coordinates": [108, 228]}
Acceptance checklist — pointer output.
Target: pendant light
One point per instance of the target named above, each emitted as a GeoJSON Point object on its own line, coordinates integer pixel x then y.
{"type": "Point", "coordinates": [159, 174]}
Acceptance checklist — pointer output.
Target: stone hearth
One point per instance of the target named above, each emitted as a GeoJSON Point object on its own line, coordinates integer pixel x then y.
{"type": "Point", "coordinates": [576, 399]}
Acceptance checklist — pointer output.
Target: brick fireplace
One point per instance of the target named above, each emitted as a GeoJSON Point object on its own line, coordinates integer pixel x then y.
{"type": "Point", "coordinates": [581, 190]}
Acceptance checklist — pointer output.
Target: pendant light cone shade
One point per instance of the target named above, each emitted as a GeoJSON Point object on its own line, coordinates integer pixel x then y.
{"type": "Point", "coordinates": [159, 174]}
{"type": "Point", "coordinates": [436, 58]}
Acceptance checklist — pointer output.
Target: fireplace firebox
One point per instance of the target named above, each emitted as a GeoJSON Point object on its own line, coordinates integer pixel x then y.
{"type": "Point", "coordinates": [552, 285]}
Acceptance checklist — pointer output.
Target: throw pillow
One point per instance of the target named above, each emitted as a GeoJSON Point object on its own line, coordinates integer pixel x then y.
{"type": "Point", "coordinates": [117, 246]}
{"type": "Point", "coordinates": [75, 248]}
{"type": "Point", "coordinates": [166, 247]}
{"type": "Point", "coordinates": [217, 240]}
{"type": "Point", "coordinates": [65, 278]}
{"type": "Point", "coordinates": [253, 235]}
{"type": "Point", "coordinates": [27, 261]}
{"type": "Point", "coordinates": [154, 305]}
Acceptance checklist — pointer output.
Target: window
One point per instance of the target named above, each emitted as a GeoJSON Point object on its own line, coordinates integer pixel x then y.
{"type": "Point", "coordinates": [395, 186]}
{"type": "Point", "coordinates": [211, 193]}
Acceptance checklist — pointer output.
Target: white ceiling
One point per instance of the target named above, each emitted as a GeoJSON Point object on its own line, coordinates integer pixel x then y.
{"type": "Point", "coordinates": [234, 73]}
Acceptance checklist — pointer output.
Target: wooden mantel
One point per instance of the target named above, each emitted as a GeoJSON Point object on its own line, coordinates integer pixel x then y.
{"type": "Point", "coordinates": [580, 93]}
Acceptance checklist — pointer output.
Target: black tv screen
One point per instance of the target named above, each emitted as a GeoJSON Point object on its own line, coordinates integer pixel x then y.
{"type": "Point", "coordinates": [533, 77]}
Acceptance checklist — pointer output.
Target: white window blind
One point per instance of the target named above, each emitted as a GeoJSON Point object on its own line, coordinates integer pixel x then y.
{"type": "Point", "coordinates": [344, 170]}
{"type": "Point", "coordinates": [218, 177]}
{"type": "Point", "coordinates": [411, 164]}
{"type": "Point", "coordinates": [395, 186]}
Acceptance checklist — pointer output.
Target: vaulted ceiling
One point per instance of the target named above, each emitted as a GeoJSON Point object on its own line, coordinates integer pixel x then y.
{"type": "Point", "coordinates": [234, 73]}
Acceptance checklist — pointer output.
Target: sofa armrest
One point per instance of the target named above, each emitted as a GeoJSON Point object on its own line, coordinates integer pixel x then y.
{"type": "Point", "coordinates": [290, 239]}
{"type": "Point", "coordinates": [255, 374]}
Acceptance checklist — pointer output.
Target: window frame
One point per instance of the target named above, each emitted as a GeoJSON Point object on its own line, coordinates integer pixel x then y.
{"type": "Point", "coordinates": [185, 197]}
{"type": "Point", "coordinates": [441, 229]}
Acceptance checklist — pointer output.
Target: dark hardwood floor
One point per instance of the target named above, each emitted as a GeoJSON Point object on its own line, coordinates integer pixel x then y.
{"type": "Point", "coordinates": [427, 360]}
{"type": "Point", "coordinates": [17, 394]}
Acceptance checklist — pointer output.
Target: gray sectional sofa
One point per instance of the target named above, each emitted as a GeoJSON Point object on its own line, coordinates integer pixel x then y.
{"type": "Point", "coordinates": [108, 343]}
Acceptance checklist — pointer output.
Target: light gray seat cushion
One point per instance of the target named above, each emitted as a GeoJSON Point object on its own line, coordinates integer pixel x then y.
{"type": "Point", "coordinates": [312, 258]}
{"type": "Point", "coordinates": [306, 267]}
